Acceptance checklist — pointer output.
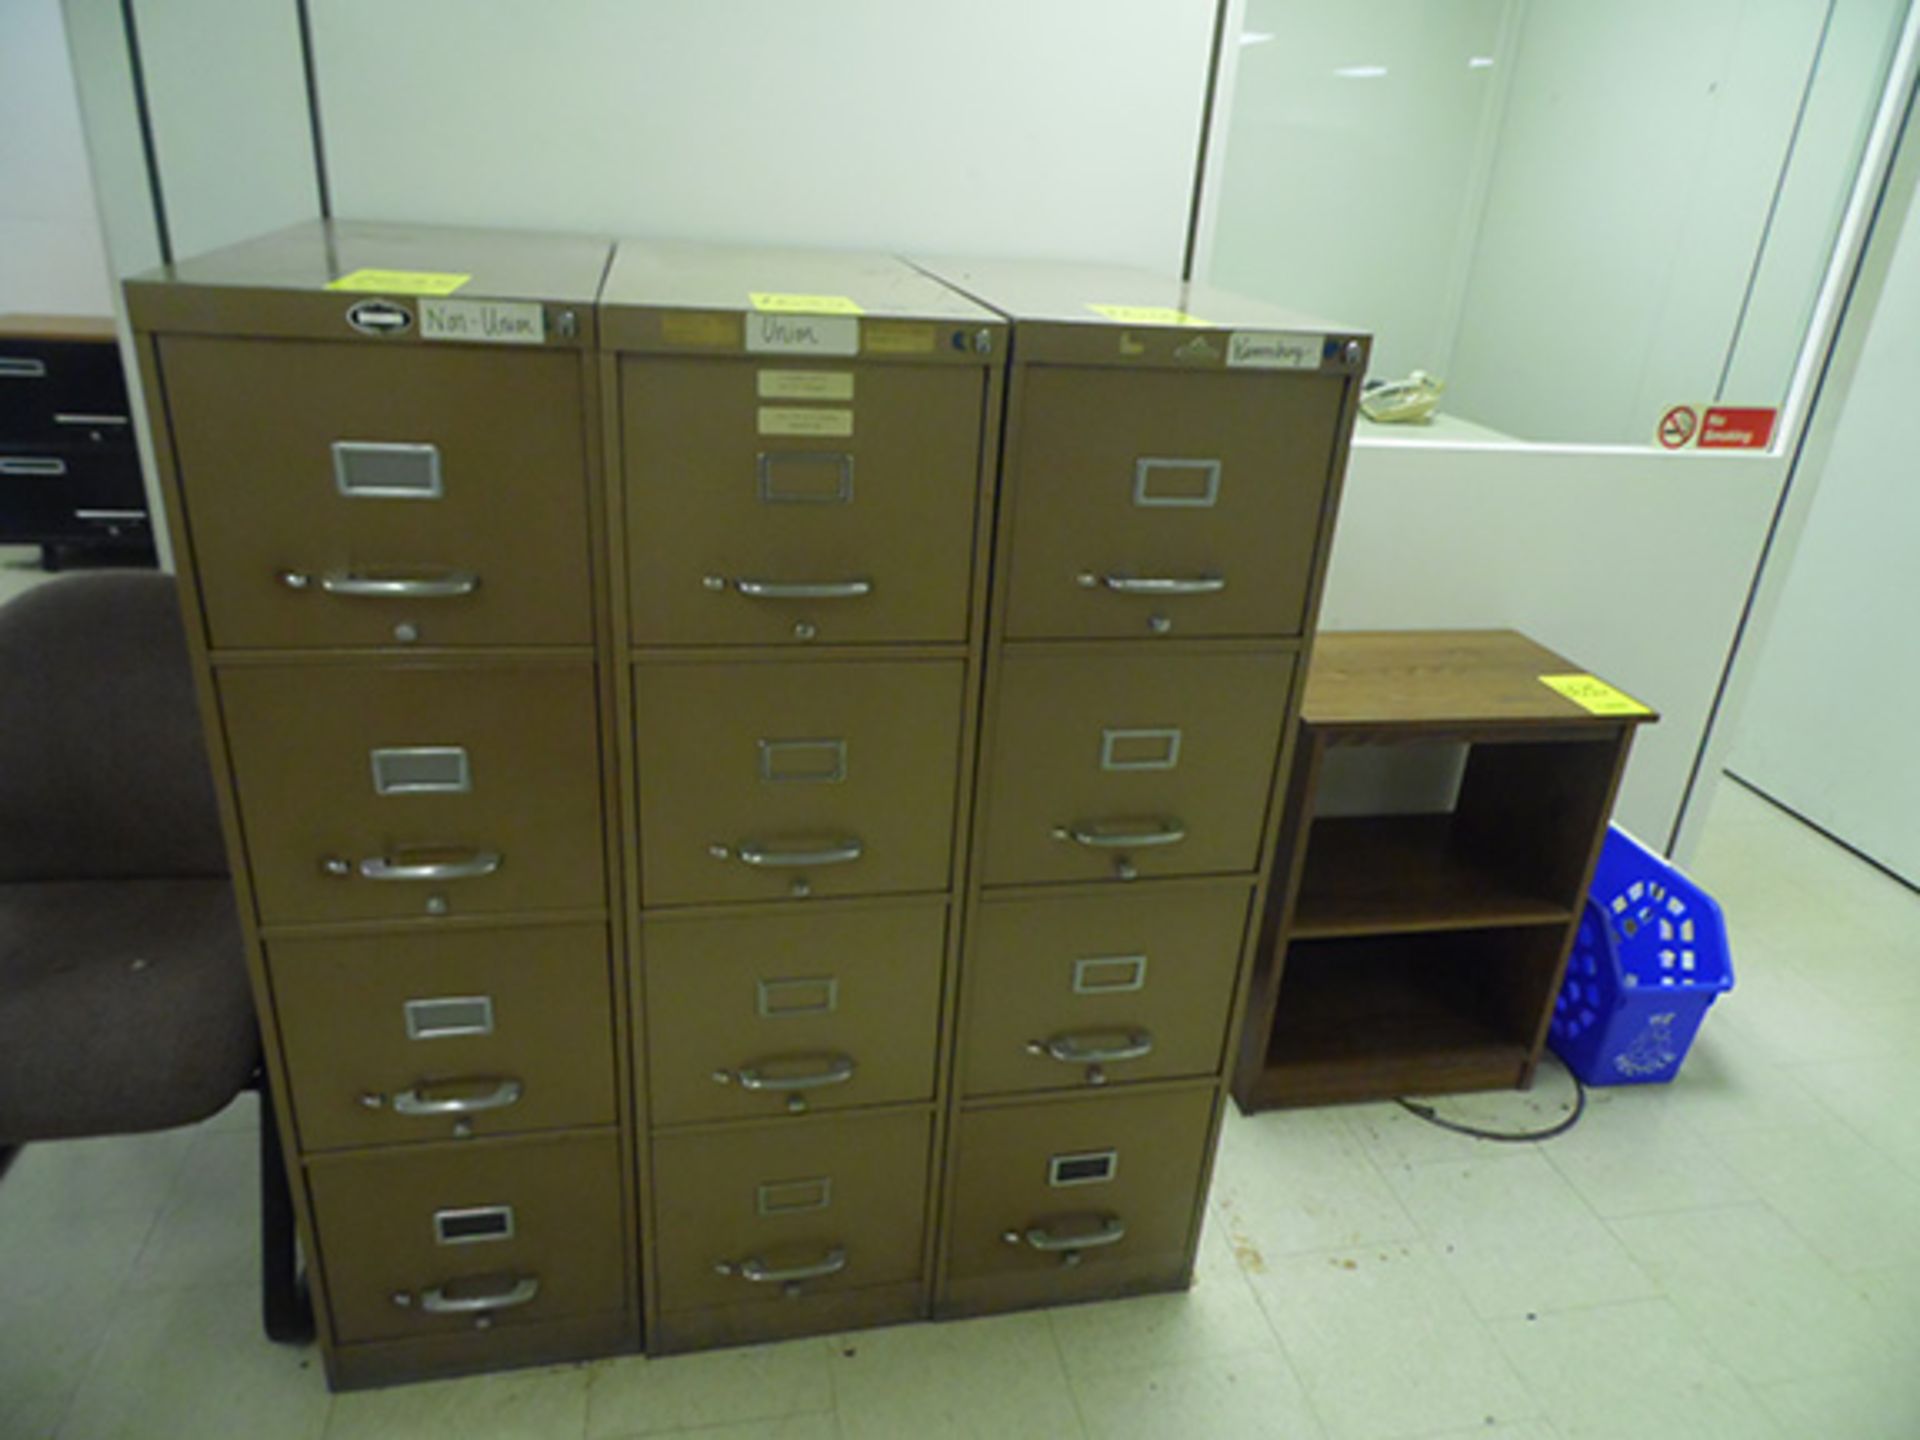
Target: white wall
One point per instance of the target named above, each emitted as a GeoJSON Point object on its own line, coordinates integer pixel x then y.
{"type": "Point", "coordinates": [995, 127]}
{"type": "Point", "coordinates": [51, 257]}
{"type": "Point", "coordinates": [1829, 727]}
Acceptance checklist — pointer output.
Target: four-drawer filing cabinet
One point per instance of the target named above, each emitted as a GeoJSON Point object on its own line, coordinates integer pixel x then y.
{"type": "Point", "coordinates": [805, 448]}
{"type": "Point", "coordinates": [1170, 467]}
{"type": "Point", "coordinates": [379, 453]}
{"type": "Point", "coordinates": [748, 771]}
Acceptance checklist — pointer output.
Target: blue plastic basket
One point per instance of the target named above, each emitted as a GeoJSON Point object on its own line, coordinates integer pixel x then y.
{"type": "Point", "coordinates": [1649, 959]}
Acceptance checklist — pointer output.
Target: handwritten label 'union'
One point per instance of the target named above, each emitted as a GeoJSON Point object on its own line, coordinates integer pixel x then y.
{"type": "Point", "coordinates": [803, 334]}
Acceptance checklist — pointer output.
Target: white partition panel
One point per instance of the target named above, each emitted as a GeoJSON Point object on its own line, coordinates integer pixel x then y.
{"type": "Point", "coordinates": [997, 127]}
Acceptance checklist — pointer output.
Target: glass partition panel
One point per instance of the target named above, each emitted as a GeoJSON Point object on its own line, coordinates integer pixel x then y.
{"type": "Point", "coordinates": [1576, 216]}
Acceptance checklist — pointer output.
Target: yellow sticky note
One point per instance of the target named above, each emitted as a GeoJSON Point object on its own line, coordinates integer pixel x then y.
{"type": "Point", "coordinates": [1147, 315]}
{"type": "Point", "coordinates": [1594, 695]}
{"type": "Point", "coordinates": [776, 303]}
{"type": "Point", "coordinates": [400, 282]}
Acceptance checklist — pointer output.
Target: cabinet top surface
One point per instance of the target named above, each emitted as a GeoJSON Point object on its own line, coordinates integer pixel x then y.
{"type": "Point", "coordinates": [668, 275]}
{"type": "Point", "coordinates": [310, 257]}
{"type": "Point", "coordinates": [1443, 679]}
{"type": "Point", "coordinates": [1058, 292]}
{"type": "Point", "coordinates": [90, 328]}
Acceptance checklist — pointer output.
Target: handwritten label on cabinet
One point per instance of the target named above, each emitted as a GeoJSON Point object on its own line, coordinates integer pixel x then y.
{"type": "Point", "coordinates": [1274, 350]}
{"type": "Point", "coordinates": [488, 322]}
{"type": "Point", "coordinates": [800, 420]}
{"type": "Point", "coordinates": [805, 384]}
{"type": "Point", "coordinates": [1147, 315]}
{"type": "Point", "coordinates": [1594, 695]}
{"type": "Point", "coordinates": [399, 282]}
{"type": "Point", "coordinates": [803, 335]}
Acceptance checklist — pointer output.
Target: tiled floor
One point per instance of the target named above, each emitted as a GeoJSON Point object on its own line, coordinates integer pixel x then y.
{"type": "Point", "coordinates": [19, 570]}
{"type": "Point", "coordinates": [1737, 1255]}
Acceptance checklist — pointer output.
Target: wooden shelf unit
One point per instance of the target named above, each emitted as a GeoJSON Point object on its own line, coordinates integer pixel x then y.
{"type": "Point", "coordinates": [1421, 953]}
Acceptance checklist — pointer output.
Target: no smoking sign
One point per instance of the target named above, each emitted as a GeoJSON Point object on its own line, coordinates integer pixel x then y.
{"type": "Point", "coordinates": [1678, 426]}
{"type": "Point", "coordinates": [1717, 427]}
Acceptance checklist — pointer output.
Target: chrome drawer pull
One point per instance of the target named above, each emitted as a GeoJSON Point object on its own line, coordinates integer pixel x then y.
{"type": "Point", "coordinates": [1094, 1050]}
{"type": "Point", "coordinates": [32, 465]}
{"type": "Point", "coordinates": [15, 367]}
{"type": "Point", "coordinates": [419, 1100]}
{"type": "Point", "coordinates": [520, 1290]}
{"type": "Point", "coordinates": [793, 589]}
{"type": "Point", "coordinates": [755, 1269]}
{"type": "Point", "coordinates": [767, 857]}
{"type": "Point", "coordinates": [1110, 1230]}
{"type": "Point", "coordinates": [88, 421]}
{"type": "Point", "coordinates": [1153, 584]}
{"type": "Point", "coordinates": [1122, 834]}
{"type": "Point", "coordinates": [473, 865]}
{"type": "Point", "coordinates": [451, 585]}
{"type": "Point", "coordinates": [835, 1070]}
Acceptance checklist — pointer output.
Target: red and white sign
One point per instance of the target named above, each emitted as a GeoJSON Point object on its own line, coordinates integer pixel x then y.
{"type": "Point", "coordinates": [1717, 427]}
{"type": "Point", "coordinates": [1731, 427]}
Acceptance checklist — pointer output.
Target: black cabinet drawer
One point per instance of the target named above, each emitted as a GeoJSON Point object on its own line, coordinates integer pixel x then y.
{"type": "Point", "coordinates": [68, 392]}
{"type": "Point", "coordinates": [51, 493]}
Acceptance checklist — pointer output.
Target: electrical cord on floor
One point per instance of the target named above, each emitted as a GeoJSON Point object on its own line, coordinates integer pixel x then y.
{"type": "Point", "coordinates": [1559, 1127]}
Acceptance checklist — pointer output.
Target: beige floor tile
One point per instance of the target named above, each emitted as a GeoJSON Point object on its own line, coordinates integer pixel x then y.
{"type": "Point", "coordinates": [243, 1115]}
{"type": "Point", "coordinates": [1730, 1083]}
{"type": "Point", "coordinates": [1845, 1198]}
{"type": "Point", "coordinates": [1795, 1020]}
{"type": "Point", "coordinates": [1516, 1237]}
{"type": "Point", "coordinates": [994, 1379]}
{"type": "Point", "coordinates": [635, 1396]}
{"type": "Point", "coordinates": [1878, 1098]}
{"type": "Point", "coordinates": [1218, 1316]}
{"type": "Point", "coordinates": [788, 1427]}
{"type": "Point", "coordinates": [1633, 1153]}
{"type": "Point", "coordinates": [517, 1405]}
{"type": "Point", "coordinates": [1894, 1295]}
{"type": "Point", "coordinates": [1524, 1430]}
{"type": "Point", "coordinates": [1386, 1344]}
{"type": "Point", "coordinates": [1756, 1293]}
{"type": "Point", "coordinates": [208, 1232]}
{"type": "Point", "coordinates": [1293, 1181]}
{"type": "Point", "coordinates": [1867, 1406]}
{"type": "Point", "coordinates": [1629, 1372]}
{"type": "Point", "coordinates": [194, 1363]}
{"type": "Point", "coordinates": [1230, 1397]}
{"type": "Point", "coordinates": [64, 1179]}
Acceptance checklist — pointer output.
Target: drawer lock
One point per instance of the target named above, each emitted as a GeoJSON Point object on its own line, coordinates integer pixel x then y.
{"type": "Point", "coordinates": [1094, 1050]}
{"type": "Point", "coordinates": [1069, 1243]}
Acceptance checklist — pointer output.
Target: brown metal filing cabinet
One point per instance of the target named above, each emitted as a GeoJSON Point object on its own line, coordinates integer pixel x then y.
{"type": "Point", "coordinates": [804, 449]}
{"type": "Point", "coordinates": [380, 451]}
{"type": "Point", "coordinates": [1170, 467]}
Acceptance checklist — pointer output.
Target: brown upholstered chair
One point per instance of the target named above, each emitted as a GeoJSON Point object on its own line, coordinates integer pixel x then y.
{"type": "Point", "coordinates": [124, 1003]}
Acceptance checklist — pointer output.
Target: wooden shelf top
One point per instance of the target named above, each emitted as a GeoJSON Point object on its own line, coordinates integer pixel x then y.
{"type": "Point", "coordinates": [57, 327]}
{"type": "Point", "coordinates": [1442, 680]}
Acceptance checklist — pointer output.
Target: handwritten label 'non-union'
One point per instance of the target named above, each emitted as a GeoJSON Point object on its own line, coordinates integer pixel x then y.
{"type": "Point", "coordinates": [803, 334]}
{"type": "Point", "coordinates": [486, 322]}
{"type": "Point", "coordinates": [1274, 350]}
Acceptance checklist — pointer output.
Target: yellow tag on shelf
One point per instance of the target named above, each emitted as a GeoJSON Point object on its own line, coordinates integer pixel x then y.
{"type": "Point", "coordinates": [775, 303]}
{"type": "Point", "coordinates": [400, 282]}
{"type": "Point", "coordinates": [1594, 695]}
{"type": "Point", "coordinates": [1147, 315]}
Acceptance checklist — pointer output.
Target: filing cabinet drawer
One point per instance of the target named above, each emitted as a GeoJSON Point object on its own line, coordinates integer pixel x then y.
{"type": "Point", "coordinates": [744, 528]}
{"type": "Point", "coordinates": [375, 791]}
{"type": "Point", "coordinates": [1158, 502]}
{"type": "Point", "coordinates": [453, 1237]}
{"type": "Point", "coordinates": [1069, 1194]}
{"type": "Point", "coordinates": [786, 1212]}
{"type": "Point", "coordinates": [1062, 994]}
{"type": "Point", "coordinates": [1112, 765]}
{"type": "Point", "coordinates": [66, 391]}
{"type": "Point", "coordinates": [788, 1013]}
{"type": "Point", "coordinates": [465, 1032]}
{"type": "Point", "coordinates": [762, 781]}
{"type": "Point", "coordinates": [438, 489]}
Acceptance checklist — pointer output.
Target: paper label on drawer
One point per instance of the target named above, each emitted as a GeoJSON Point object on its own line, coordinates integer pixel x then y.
{"type": "Point", "coordinates": [775, 302]}
{"type": "Point", "coordinates": [805, 384]}
{"type": "Point", "coordinates": [803, 335]}
{"type": "Point", "coordinates": [489, 322]}
{"type": "Point", "coordinates": [1147, 315]}
{"type": "Point", "coordinates": [399, 282]}
{"type": "Point", "coordinates": [798, 420]}
{"type": "Point", "coordinates": [1594, 695]}
{"type": "Point", "coordinates": [1275, 350]}
{"type": "Point", "coordinates": [895, 337]}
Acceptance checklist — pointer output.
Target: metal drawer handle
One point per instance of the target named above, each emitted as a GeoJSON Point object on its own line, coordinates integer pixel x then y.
{"type": "Point", "coordinates": [32, 465]}
{"type": "Point", "coordinates": [88, 421]}
{"type": "Point", "coordinates": [1122, 834]}
{"type": "Point", "coordinates": [1110, 1230]}
{"type": "Point", "coordinates": [1095, 1049]}
{"type": "Point", "coordinates": [14, 367]}
{"type": "Point", "coordinates": [472, 866]}
{"type": "Point", "coordinates": [420, 1100]}
{"type": "Point", "coordinates": [451, 585]}
{"type": "Point", "coordinates": [520, 1290]}
{"type": "Point", "coordinates": [1153, 584]}
{"type": "Point", "coordinates": [834, 1070]}
{"type": "Point", "coordinates": [755, 1269]}
{"type": "Point", "coordinates": [792, 589]}
{"type": "Point", "coordinates": [761, 856]}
